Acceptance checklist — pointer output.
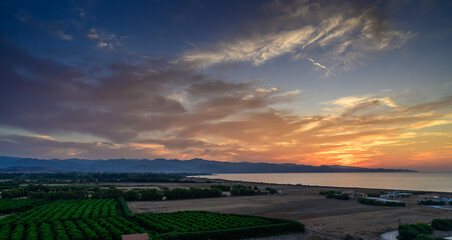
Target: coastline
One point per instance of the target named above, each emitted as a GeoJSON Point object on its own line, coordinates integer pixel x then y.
{"type": "Point", "coordinates": [414, 182]}
{"type": "Point", "coordinates": [319, 186]}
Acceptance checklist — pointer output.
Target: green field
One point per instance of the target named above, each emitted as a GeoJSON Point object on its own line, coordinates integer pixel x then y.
{"type": "Point", "coordinates": [99, 219]}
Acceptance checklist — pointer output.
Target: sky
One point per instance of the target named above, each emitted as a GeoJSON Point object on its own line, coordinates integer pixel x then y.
{"type": "Point", "coordinates": [358, 83]}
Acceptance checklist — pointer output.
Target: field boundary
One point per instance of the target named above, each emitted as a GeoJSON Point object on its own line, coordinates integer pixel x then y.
{"type": "Point", "coordinates": [123, 207]}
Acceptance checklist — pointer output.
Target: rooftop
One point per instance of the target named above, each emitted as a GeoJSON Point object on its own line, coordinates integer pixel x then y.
{"type": "Point", "coordinates": [140, 236]}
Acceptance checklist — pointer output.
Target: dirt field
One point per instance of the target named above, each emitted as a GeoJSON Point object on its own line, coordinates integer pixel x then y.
{"type": "Point", "coordinates": [324, 218]}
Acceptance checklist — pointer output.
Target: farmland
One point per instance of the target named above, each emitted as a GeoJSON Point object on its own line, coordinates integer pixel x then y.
{"type": "Point", "coordinates": [16, 205]}
{"type": "Point", "coordinates": [66, 210]}
{"type": "Point", "coordinates": [99, 219]}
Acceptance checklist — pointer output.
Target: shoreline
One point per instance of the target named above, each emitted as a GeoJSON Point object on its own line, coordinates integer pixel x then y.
{"type": "Point", "coordinates": [314, 186]}
{"type": "Point", "coordinates": [386, 188]}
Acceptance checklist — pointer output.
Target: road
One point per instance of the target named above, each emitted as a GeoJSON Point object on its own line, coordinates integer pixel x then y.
{"type": "Point", "coordinates": [390, 235]}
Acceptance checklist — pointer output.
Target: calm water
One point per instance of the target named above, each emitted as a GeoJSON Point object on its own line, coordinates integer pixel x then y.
{"type": "Point", "coordinates": [441, 182]}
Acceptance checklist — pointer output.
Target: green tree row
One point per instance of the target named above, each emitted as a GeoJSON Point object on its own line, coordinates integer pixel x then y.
{"type": "Point", "coordinates": [380, 203]}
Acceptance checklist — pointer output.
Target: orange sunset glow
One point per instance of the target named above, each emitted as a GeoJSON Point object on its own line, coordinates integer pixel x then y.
{"type": "Point", "coordinates": [355, 84]}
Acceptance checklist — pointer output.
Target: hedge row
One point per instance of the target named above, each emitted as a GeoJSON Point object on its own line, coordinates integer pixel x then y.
{"type": "Point", "coordinates": [339, 196]}
{"type": "Point", "coordinates": [237, 233]}
{"type": "Point", "coordinates": [329, 193]}
{"type": "Point", "coordinates": [182, 193]}
{"type": "Point", "coordinates": [223, 188]}
{"type": "Point", "coordinates": [431, 202]}
{"type": "Point", "coordinates": [124, 207]}
{"type": "Point", "coordinates": [380, 203]}
{"type": "Point", "coordinates": [240, 190]}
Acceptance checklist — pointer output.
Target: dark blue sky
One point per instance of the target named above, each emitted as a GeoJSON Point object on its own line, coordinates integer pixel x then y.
{"type": "Point", "coordinates": [315, 82]}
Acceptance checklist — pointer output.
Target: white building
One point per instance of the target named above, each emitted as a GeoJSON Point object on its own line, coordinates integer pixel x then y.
{"type": "Point", "coordinates": [390, 195]}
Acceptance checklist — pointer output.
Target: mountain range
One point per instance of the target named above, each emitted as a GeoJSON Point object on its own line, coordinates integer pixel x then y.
{"type": "Point", "coordinates": [15, 164]}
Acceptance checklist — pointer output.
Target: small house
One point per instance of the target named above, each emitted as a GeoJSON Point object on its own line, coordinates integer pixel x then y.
{"type": "Point", "coordinates": [360, 195]}
{"type": "Point", "coordinates": [354, 195]}
{"type": "Point", "coordinates": [390, 195]}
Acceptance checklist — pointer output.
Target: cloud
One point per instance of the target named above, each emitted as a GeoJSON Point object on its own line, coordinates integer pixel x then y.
{"type": "Point", "coordinates": [257, 50]}
{"type": "Point", "coordinates": [156, 108]}
{"type": "Point", "coordinates": [53, 27]}
{"type": "Point", "coordinates": [81, 12]}
{"type": "Point", "coordinates": [316, 63]}
{"type": "Point", "coordinates": [341, 35]}
{"type": "Point", "coordinates": [104, 39]}
{"type": "Point", "coordinates": [60, 34]}
{"type": "Point", "coordinates": [93, 34]}
{"type": "Point", "coordinates": [50, 97]}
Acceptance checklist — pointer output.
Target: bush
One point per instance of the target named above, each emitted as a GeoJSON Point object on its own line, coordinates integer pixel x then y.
{"type": "Point", "coordinates": [342, 197]}
{"type": "Point", "coordinates": [329, 193]}
{"type": "Point", "coordinates": [442, 224]}
{"type": "Point", "coordinates": [132, 195]}
{"type": "Point", "coordinates": [423, 237]}
{"type": "Point", "coordinates": [411, 231]}
{"type": "Point", "coordinates": [380, 203]}
{"type": "Point", "coordinates": [111, 192]}
{"type": "Point", "coordinates": [151, 195]}
{"type": "Point", "coordinates": [181, 193]}
{"type": "Point", "coordinates": [271, 190]}
{"type": "Point", "coordinates": [240, 190]}
{"type": "Point", "coordinates": [223, 188]}
{"type": "Point", "coordinates": [431, 202]}
{"type": "Point", "coordinates": [374, 194]}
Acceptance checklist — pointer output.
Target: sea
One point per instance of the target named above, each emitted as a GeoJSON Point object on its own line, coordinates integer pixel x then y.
{"type": "Point", "coordinates": [416, 181]}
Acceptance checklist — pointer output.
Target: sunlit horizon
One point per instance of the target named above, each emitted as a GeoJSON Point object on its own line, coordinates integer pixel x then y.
{"type": "Point", "coordinates": [355, 83]}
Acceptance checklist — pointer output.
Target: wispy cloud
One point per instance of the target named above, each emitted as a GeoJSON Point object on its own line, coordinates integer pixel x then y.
{"type": "Point", "coordinates": [340, 36]}
{"type": "Point", "coordinates": [316, 63]}
{"type": "Point", "coordinates": [104, 39]}
{"type": "Point", "coordinates": [55, 28]}
{"type": "Point", "coordinates": [60, 34]}
{"type": "Point", "coordinates": [257, 50]}
{"type": "Point", "coordinates": [81, 12]}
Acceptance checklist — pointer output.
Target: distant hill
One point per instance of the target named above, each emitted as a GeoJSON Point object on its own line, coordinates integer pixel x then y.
{"type": "Point", "coordinates": [15, 164]}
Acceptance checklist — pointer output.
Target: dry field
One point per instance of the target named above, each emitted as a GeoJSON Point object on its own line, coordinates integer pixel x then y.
{"type": "Point", "coordinates": [324, 218]}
